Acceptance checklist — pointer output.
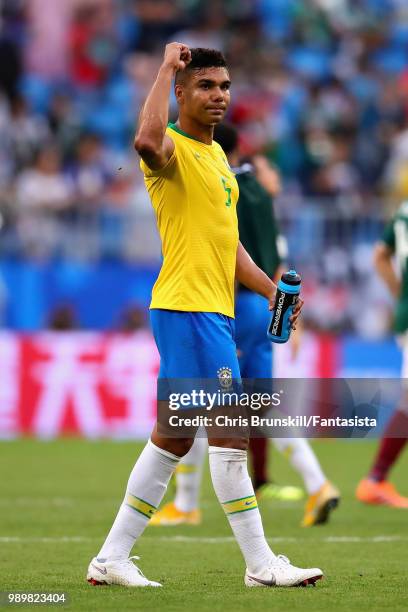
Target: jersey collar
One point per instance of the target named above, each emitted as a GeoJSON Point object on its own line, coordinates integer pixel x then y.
{"type": "Point", "coordinates": [175, 127]}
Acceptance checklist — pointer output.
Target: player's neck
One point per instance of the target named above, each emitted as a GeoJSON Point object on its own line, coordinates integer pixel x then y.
{"type": "Point", "coordinates": [198, 131]}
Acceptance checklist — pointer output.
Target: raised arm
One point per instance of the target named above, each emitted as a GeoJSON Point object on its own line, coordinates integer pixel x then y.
{"type": "Point", "coordinates": [151, 142]}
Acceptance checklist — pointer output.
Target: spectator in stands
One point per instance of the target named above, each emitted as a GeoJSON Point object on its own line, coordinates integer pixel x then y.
{"type": "Point", "coordinates": [12, 36]}
{"type": "Point", "coordinates": [132, 319]}
{"type": "Point", "coordinates": [43, 187]}
{"type": "Point", "coordinates": [44, 198]}
{"type": "Point", "coordinates": [396, 174]}
{"type": "Point", "coordinates": [157, 22]}
{"type": "Point", "coordinates": [25, 132]}
{"type": "Point", "coordinates": [320, 87]}
{"type": "Point", "coordinates": [46, 52]}
{"type": "Point", "coordinates": [90, 171]}
{"type": "Point", "coordinates": [63, 318]}
{"type": "Point", "coordinates": [64, 122]}
{"type": "Point", "coordinates": [93, 43]}
{"type": "Point", "coordinates": [208, 29]}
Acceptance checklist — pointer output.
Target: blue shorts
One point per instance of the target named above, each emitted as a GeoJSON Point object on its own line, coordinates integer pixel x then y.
{"type": "Point", "coordinates": [252, 318]}
{"type": "Point", "coordinates": [194, 344]}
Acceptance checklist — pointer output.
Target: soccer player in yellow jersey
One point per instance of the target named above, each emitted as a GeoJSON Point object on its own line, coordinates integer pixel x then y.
{"type": "Point", "coordinates": [194, 195]}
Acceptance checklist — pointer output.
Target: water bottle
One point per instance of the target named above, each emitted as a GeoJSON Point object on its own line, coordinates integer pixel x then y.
{"type": "Point", "coordinates": [286, 297]}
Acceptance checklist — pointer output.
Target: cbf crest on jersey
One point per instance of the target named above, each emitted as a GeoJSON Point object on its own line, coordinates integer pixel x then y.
{"type": "Point", "coordinates": [225, 377]}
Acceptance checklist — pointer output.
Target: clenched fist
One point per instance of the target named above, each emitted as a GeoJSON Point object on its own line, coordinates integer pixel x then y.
{"type": "Point", "coordinates": [177, 56]}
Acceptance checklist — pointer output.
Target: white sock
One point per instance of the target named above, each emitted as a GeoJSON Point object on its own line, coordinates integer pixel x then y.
{"type": "Point", "coordinates": [235, 492]}
{"type": "Point", "coordinates": [145, 489]}
{"type": "Point", "coordinates": [303, 460]}
{"type": "Point", "coordinates": [188, 476]}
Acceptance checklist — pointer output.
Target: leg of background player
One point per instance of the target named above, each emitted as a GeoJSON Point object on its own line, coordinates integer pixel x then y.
{"type": "Point", "coordinates": [185, 507]}
{"type": "Point", "coordinates": [303, 460]}
{"type": "Point", "coordinates": [375, 489]}
{"type": "Point", "coordinates": [258, 448]}
{"type": "Point", "coordinates": [255, 359]}
{"type": "Point", "coordinates": [188, 476]}
{"type": "Point", "coordinates": [323, 495]}
{"type": "Point", "coordinates": [264, 488]}
{"type": "Point", "coordinates": [388, 453]}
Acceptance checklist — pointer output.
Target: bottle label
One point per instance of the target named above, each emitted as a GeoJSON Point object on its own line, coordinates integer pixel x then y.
{"type": "Point", "coordinates": [277, 325]}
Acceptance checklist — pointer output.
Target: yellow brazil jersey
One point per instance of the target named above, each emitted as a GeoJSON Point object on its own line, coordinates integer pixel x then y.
{"type": "Point", "coordinates": [194, 197]}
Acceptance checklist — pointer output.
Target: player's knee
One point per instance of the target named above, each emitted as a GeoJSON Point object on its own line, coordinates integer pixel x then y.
{"type": "Point", "coordinates": [236, 443]}
{"type": "Point", "coordinates": [176, 446]}
{"type": "Point", "coordinates": [183, 445]}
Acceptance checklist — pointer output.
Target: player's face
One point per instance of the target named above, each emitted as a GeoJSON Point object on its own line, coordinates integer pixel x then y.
{"type": "Point", "coordinates": [205, 96]}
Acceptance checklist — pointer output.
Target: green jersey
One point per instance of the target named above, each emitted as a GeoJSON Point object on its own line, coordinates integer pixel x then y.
{"type": "Point", "coordinates": [396, 238]}
{"type": "Point", "coordinates": [257, 225]}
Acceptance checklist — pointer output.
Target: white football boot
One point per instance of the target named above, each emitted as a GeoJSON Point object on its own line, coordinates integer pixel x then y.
{"type": "Point", "coordinates": [280, 572]}
{"type": "Point", "coordinates": [122, 571]}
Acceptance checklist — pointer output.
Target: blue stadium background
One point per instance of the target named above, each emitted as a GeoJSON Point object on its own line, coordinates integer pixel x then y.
{"type": "Point", "coordinates": [322, 90]}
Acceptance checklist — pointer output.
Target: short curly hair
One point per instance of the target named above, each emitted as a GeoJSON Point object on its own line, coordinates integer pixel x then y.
{"type": "Point", "coordinates": [202, 58]}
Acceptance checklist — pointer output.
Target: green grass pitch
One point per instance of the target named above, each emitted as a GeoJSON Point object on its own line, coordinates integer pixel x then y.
{"type": "Point", "coordinates": [58, 500]}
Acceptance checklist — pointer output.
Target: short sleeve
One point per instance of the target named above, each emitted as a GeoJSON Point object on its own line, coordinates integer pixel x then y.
{"type": "Point", "coordinates": [149, 172]}
{"type": "Point", "coordinates": [388, 236]}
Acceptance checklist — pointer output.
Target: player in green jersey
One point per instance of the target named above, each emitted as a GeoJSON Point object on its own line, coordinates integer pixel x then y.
{"type": "Point", "coordinates": [375, 488]}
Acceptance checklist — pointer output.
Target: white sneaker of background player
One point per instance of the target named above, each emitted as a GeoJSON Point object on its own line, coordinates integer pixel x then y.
{"type": "Point", "coordinates": [122, 571]}
{"type": "Point", "coordinates": [280, 572]}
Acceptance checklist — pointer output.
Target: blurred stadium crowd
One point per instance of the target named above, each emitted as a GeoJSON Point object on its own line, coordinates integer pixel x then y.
{"type": "Point", "coordinates": [320, 86]}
